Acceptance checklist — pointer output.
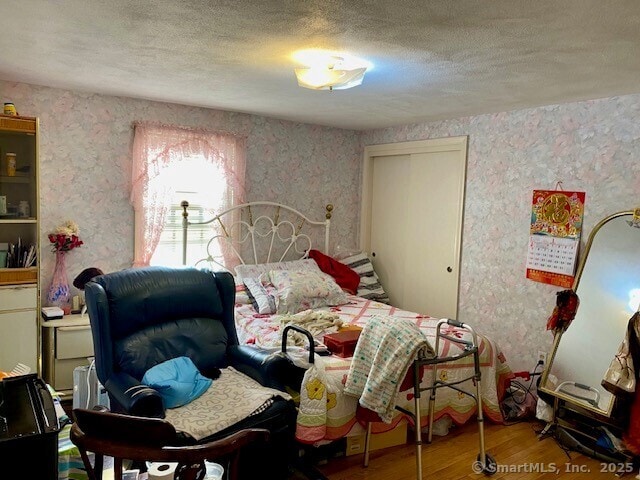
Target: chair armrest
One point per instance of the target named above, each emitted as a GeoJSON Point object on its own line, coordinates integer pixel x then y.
{"type": "Point", "coordinates": [133, 397]}
{"type": "Point", "coordinates": [270, 369]}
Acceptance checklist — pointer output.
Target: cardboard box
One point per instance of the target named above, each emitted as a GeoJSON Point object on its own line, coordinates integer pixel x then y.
{"type": "Point", "coordinates": [342, 343]}
{"type": "Point", "coordinates": [392, 438]}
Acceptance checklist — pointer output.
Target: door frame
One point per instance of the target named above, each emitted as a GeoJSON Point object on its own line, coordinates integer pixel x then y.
{"type": "Point", "coordinates": [446, 144]}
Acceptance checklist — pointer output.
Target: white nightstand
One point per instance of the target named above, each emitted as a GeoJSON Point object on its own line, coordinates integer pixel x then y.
{"type": "Point", "coordinates": [66, 344]}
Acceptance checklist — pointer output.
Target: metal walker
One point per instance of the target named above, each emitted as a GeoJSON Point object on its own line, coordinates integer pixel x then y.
{"type": "Point", "coordinates": [485, 462]}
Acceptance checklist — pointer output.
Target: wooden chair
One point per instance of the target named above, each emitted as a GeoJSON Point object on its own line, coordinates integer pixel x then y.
{"type": "Point", "coordinates": [151, 439]}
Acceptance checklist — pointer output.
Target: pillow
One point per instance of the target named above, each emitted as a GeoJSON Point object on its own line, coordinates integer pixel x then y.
{"type": "Point", "coordinates": [178, 381]}
{"type": "Point", "coordinates": [260, 298]}
{"type": "Point", "coordinates": [242, 296]}
{"type": "Point", "coordinates": [260, 269]}
{"type": "Point", "coordinates": [344, 276]}
{"type": "Point", "coordinates": [370, 286]}
{"type": "Point", "coordinates": [298, 291]}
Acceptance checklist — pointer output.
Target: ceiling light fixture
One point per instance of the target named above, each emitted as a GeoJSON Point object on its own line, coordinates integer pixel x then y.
{"type": "Point", "coordinates": [330, 72]}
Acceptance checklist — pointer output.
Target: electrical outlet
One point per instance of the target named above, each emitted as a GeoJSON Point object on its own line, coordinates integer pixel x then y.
{"type": "Point", "coordinates": [542, 357]}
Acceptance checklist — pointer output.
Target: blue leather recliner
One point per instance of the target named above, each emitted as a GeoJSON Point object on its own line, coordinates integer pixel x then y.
{"type": "Point", "coordinates": [141, 317]}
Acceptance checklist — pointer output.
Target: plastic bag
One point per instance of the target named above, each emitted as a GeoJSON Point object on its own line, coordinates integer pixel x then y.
{"type": "Point", "coordinates": [620, 377]}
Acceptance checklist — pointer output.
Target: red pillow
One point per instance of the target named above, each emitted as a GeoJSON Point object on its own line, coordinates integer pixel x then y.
{"type": "Point", "coordinates": [347, 278]}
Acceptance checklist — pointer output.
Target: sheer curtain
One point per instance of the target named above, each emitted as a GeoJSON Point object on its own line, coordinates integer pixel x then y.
{"type": "Point", "coordinates": [159, 148]}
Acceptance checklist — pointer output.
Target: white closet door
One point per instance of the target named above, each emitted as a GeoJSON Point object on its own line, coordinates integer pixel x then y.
{"type": "Point", "coordinates": [415, 217]}
{"type": "Point", "coordinates": [390, 210]}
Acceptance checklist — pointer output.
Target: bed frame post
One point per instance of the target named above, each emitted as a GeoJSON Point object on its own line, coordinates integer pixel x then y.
{"type": "Point", "coordinates": [185, 225]}
{"type": "Point", "coordinates": [329, 209]}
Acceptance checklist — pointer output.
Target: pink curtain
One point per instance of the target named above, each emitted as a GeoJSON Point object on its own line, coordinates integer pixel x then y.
{"type": "Point", "coordinates": [156, 147]}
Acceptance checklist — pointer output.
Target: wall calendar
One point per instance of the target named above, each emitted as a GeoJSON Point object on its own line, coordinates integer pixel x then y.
{"type": "Point", "coordinates": [554, 236]}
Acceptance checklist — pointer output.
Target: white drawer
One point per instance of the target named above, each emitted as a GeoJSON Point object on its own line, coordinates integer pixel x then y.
{"type": "Point", "coordinates": [18, 298]}
{"type": "Point", "coordinates": [74, 342]}
{"type": "Point", "coordinates": [19, 335]}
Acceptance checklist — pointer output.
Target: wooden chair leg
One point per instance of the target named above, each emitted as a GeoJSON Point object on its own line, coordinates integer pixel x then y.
{"type": "Point", "coordinates": [117, 469]}
{"type": "Point", "coordinates": [98, 465]}
{"type": "Point", "coordinates": [91, 471]}
{"type": "Point", "coordinates": [231, 471]}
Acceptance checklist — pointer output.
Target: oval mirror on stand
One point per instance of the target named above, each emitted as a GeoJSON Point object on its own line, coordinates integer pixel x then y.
{"type": "Point", "coordinates": [608, 286]}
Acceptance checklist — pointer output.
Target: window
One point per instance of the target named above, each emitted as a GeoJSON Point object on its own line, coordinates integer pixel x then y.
{"type": "Point", "coordinates": [171, 164]}
{"type": "Point", "coordinates": [203, 186]}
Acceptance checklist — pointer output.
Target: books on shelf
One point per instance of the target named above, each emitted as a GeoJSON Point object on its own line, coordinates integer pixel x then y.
{"type": "Point", "coordinates": [20, 255]}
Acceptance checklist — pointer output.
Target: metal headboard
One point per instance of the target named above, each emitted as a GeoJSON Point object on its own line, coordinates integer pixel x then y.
{"type": "Point", "coordinates": [260, 232]}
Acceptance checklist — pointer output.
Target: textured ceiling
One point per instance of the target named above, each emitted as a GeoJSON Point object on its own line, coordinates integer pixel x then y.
{"type": "Point", "coordinates": [432, 59]}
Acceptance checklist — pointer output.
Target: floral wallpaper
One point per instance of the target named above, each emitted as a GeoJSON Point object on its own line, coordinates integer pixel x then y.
{"type": "Point", "coordinates": [589, 146]}
{"type": "Point", "coordinates": [85, 167]}
{"type": "Point", "coordinates": [85, 143]}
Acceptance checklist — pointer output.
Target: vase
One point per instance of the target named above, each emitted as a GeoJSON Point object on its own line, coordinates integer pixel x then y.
{"type": "Point", "coordinates": [59, 293]}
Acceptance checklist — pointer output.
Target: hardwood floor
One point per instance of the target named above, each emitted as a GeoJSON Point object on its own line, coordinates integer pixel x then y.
{"type": "Point", "coordinates": [515, 448]}
{"type": "Point", "coordinates": [518, 452]}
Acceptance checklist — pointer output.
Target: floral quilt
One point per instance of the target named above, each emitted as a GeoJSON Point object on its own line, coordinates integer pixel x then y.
{"type": "Point", "coordinates": [326, 413]}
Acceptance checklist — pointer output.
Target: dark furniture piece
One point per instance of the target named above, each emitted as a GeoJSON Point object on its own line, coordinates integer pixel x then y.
{"type": "Point", "coordinates": [141, 317]}
{"type": "Point", "coordinates": [28, 425]}
{"type": "Point", "coordinates": [144, 439]}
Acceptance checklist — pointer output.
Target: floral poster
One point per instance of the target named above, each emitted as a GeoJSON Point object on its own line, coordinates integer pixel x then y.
{"type": "Point", "coordinates": [554, 237]}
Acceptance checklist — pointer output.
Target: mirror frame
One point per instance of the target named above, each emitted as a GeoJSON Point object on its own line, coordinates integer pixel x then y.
{"type": "Point", "coordinates": [556, 339]}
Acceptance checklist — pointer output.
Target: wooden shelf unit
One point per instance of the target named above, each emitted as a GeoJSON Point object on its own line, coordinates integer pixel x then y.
{"type": "Point", "coordinates": [20, 287]}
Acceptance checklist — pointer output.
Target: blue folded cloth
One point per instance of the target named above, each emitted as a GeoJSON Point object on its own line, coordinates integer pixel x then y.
{"type": "Point", "coordinates": [178, 381]}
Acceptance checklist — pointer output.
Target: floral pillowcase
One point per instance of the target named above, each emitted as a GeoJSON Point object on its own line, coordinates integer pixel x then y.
{"type": "Point", "coordinates": [303, 290]}
{"type": "Point", "coordinates": [261, 270]}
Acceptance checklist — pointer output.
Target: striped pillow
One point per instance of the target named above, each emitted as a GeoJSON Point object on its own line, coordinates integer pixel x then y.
{"type": "Point", "coordinates": [370, 286]}
{"type": "Point", "coordinates": [260, 298]}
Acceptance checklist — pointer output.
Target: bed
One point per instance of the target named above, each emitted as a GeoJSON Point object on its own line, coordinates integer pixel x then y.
{"type": "Point", "coordinates": [269, 242]}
